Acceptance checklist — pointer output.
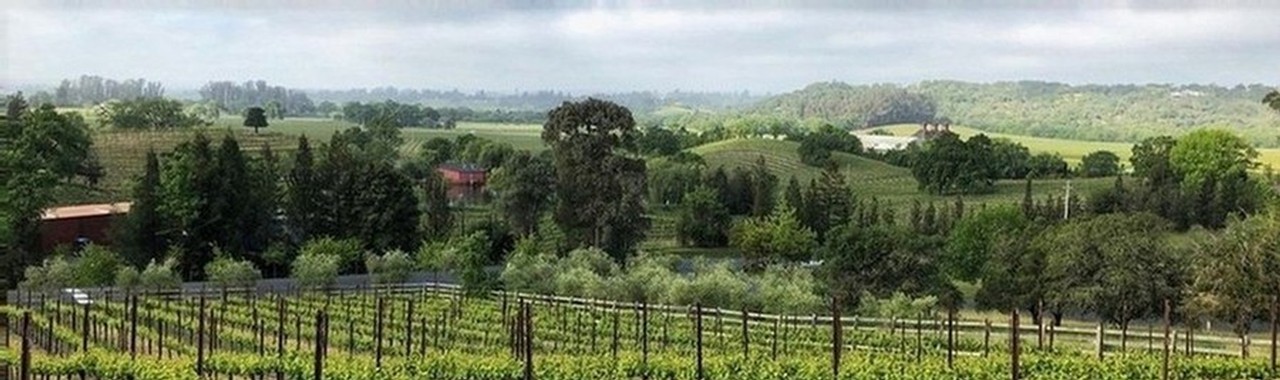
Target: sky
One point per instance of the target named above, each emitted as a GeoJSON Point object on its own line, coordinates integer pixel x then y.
{"type": "Point", "coordinates": [613, 46]}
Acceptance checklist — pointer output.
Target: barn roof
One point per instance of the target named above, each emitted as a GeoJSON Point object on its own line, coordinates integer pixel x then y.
{"type": "Point", "coordinates": [85, 211]}
{"type": "Point", "coordinates": [462, 168]}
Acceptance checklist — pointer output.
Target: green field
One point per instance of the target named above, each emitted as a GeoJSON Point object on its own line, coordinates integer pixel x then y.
{"type": "Point", "coordinates": [1070, 150]}
{"type": "Point", "coordinates": [870, 178]}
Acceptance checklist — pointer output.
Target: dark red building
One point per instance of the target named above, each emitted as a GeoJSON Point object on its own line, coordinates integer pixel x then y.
{"type": "Point", "coordinates": [463, 174]}
{"type": "Point", "coordinates": [88, 223]}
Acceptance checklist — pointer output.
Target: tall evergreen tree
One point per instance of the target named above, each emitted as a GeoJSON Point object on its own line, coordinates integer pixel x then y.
{"type": "Point", "coordinates": [793, 196]}
{"type": "Point", "coordinates": [437, 215]}
{"type": "Point", "coordinates": [764, 187]}
{"type": "Point", "coordinates": [302, 194]}
{"type": "Point", "coordinates": [144, 238]}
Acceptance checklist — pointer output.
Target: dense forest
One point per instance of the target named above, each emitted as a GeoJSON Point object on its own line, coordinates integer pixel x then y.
{"type": "Point", "coordinates": [638, 101]}
{"type": "Point", "coordinates": [1124, 112]}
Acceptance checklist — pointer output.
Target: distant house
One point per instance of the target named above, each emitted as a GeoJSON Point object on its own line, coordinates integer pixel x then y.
{"type": "Point", "coordinates": [79, 224]}
{"type": "Point", "coordinates": [881, 143]}
{"type": "Point", "coordinates": [463, 174]}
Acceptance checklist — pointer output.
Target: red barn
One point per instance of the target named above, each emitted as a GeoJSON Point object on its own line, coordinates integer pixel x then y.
{"type": "Point", "coordinates": [463, 174]}
{"type": "Point", "coordinates": [92, 222]}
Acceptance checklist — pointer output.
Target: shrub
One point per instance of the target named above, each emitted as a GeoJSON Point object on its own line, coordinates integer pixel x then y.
{"type": "Point", "coordinates": [390, 268]}
{"type": "Point", "coordinates": [786, 290]}
{"type": "Point", "coordinates": [527, 270]}
{"type": "Point", "coordinates": [160, 276]}
{"type": "Point", "coordinates": [128, 279]}
{"type": "Point", "coordinates": [95, 266]}
{"type": "Point", "coordinates": [230, 273]}
{"type": "Point", "coordinates": [714, 285]}
{"type": "Point", "coordinates": [315, 270]}
{"type": "Point", "coordinates": [348, 252]}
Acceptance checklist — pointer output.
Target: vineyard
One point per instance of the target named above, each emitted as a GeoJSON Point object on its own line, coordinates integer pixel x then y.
{"type": "Point", "coordinates": [435, 332]}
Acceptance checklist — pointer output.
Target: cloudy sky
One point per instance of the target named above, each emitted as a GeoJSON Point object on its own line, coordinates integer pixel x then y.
{"type": "Point", "coordinates": [619, 46]}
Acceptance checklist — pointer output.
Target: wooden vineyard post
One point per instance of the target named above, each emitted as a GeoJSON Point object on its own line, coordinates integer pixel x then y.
{"type": "Point", "coordinates": [1015, 347]}
{"type": "Point", "coordinates": [133, 328]}
{"type": "Point", "coordinates": [1040, 325]}
{"type": "Point", "coordinates": [697, 328]}
{"type": "Point", "coordinates": [986, 338]}
{"type": "Point", "coordinates": [919, 336]}
{"type": "Point", "coordinates": [614, 345]}
{"type": "Point", "coordinates": [746, 338]}
{"type": "Point", "coordinates": [24, 362]}
{"type": "Point", "coordinates": [837, 337]}
{"type": "Point", "coordinates": [1274, 312]}
{"type": "Point", "coordinates": [377, 333]}
{"type": "Point", "coordinates": [1101, 339]}
{"type": "Point", "coordinates": [1164, 371]}
{"type": "Point", "coordinates": [773, 351]}
{"type": "Point", "coordinates": [281, 310]}
{"type": "Point", "coordinates": [644, 340]}
{"type": "Point", "coordinates": [528, 342]}
{"type": "Point", "coordinates": [322, 343]}
{"type": "Point", "coordinates": [408, 328]}
{"type": "Point", "coordinates": [84, 339]}
{"type": "Point", "coordinates": [200, 339]}
{"type": "Point", "coordinates": [951, 337]}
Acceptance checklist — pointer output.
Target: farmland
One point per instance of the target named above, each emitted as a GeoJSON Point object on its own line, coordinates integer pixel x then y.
{"type": "Point", "coordinates": [1070, 150]}
{"type": "Point", "coordinates": [870, 178]}
{"type": "Point", "coordinates": [429, 331]}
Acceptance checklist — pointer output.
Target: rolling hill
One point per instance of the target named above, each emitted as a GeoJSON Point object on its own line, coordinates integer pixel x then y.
{"type": "Point", "coordinates": [871, 178]}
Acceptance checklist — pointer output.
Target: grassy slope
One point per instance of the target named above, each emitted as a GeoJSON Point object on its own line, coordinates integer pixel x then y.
{"type": "Point", "coordinates": [1070, 150]}
{"type": "Point", "coordinates": [870, 178]}
{"type": "Point", "coordinates": [123, 153]}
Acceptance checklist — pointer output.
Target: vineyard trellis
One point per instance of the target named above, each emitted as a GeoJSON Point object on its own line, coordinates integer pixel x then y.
{"type": "Point", "coordinates": [438, 331]}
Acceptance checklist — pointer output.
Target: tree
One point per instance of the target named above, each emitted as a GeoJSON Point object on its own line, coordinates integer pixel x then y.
{"type": "Point", "coordinates": [879, 260]}
{"type": "Point", "coordinates": [43, 149]}
{"type": "Point", "coordinates": [599, 188]}
{"type": "Point", "coordinates": [302, 197]}
{"type": "Point", "coordinates": [702, 221]}
{"type": "Point", "coordinates": [1238, 271]}
{"type": "Point", "coordinates": [1272, 99]}
{"type": "Point", "coordinates": [1117, 266]}
{"type": "Point", "coordinates": [1100, 164]}
{"type": "Point", "coordinates": [523, 187]}
{"type": "Point", "coordinates": [764, 187]}
{"type": "Point", "coordinates": [1047, 165]}
{"type": "Point", "coordinates": [815, 149]}
{"type": "Point", "coordinates": [274, 110]}
{"type": "Point", "coordinates": [974, 238]}
{"type": "Point", "coordinates": [947, 164]}
{"type": "Point", "coordinates": [670, 180]}
{"type": "Point", "coordinates": [776, 238]}
{"type": "Point", "coordinates": [146, 113]}
{"type": "Point", "coordinates": [1208, 155]}
{"type": "Point", "coordinates": [1150, 158]}
{"type": "Point", "coordinates": [658, 141]}
{"type": "Point", "coordinates": [144, 238]}
{"type": "Point", "coordinates": [255, 117]}
{"type": "Point", "coordinates": [437, 221]}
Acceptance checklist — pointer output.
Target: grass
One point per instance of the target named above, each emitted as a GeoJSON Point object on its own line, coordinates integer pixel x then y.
{"type": "Point", "coordinates": [1070, 150]}
{"type": "Point", "coordinates": [870, 178]}
{"type": "Point", "coordinates": [123, 153]}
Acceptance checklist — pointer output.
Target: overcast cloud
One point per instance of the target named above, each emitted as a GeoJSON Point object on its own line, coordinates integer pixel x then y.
{"type": "Point", "coordinates": [620, 47]}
